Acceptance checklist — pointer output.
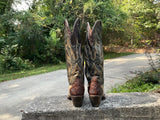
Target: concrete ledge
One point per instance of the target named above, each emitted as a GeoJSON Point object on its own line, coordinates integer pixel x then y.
{"type": "Point", "coordinates": [121, 106]}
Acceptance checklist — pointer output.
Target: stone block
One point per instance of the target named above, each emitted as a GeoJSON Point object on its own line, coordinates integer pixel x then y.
{"type": "Point", "coordinates": [116, 106]}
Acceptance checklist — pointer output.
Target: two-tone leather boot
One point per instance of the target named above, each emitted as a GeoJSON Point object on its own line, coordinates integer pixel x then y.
{"type": "Point", "coordinates": [94, 63]}
{"type": "Point", "coordinates": [75, 63]}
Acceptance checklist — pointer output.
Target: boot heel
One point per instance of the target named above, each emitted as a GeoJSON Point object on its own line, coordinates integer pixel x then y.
{"type": "Point", "coordinates": [77, 100]}
{"type": "Point", "coordinates": [95, 100]}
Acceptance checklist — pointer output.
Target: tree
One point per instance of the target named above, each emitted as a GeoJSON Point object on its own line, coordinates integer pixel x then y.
{"type": "Point", "coordinates": [142, 18]}
{"type": "Point", "coordinates": [55, 11]}
{"type": "Point", "coordinates": [5, 6]}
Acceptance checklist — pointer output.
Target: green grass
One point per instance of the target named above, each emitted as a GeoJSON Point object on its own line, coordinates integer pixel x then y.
{"type": "Point", "coordinates": [35, 71]}
{"type": "Point", "coordinates": [111, 55]}
{"type": "Point", "coordinates": [48, 68]}
{"type": "Point", "coordinates": [144, 82]}
{"type": "Point", "coordinates": [130, 87]}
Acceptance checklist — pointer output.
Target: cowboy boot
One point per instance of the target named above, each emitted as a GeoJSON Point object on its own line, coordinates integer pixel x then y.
{"type": "Point", "coordinates": [94, 63]}
{"type": "Point", "coordinates": [75, 63]}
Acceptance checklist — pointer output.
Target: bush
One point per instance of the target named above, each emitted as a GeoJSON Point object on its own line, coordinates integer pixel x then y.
{"type": "Point", "coordinates": [54, 49]}
{"type": "Point", "coordinates": [30, 38]}
{"type": "Point", "coordinates": [2, 41]}
{"type": "Point", "coordinates": [14, 63]}
{"type": "Point", "coordinates": [10, 62]}
{"type": "Point", "coordinates": [148, 77]}
{"type": "Point", "coordinates": [143, 82]}
{"type": "Point", "coordinates": [88, 11]}
{"type": "Point", "coordinates": [38, 43]}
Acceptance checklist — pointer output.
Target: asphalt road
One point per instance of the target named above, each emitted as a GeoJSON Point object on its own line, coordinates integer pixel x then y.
{"type": "Point", "coordinates": [16, 94]}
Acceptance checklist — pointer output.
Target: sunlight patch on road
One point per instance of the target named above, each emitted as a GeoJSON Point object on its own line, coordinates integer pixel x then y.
{"type": "Point", "coordinates": [126, 59]}
{"type": "Point", "coordinates": [2, 96]}
{"type": "Point", "coordinates": [14, 86]}
{"type": "Point", "coordinates": [30, 97]}
{"type": "Point", "coordinates": [8, 117]}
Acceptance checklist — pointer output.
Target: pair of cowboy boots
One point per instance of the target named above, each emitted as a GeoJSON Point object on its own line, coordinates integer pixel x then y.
{"type": "Point", "coordinates": [93, 57]}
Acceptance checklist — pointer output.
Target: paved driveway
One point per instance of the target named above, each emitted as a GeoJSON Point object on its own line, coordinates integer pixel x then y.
{"type": "Point", "coordinates": [16, 94]}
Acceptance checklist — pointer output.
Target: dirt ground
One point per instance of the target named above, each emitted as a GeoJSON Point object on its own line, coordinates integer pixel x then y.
{"type": "Point", "coordinates": [120, 49]}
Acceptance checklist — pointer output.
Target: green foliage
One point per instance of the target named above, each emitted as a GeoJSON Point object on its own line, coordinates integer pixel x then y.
{"type": "Point", "coordinates": [10, 75]}
{"type": "Point", "coordinates": [2, 42]}
{"type": "Point", "coordinates": [144, 82]}
{"type": "Point", "coordinates": [143, 20]}
{"type": "Point", "coordinates": [148, 77]}
{"type": "Point", "coordinates": [131, 87]}
{"type": "Point", "coordinates": [9, 61]}
{"type": "Point", "coordinates": [7, 25]}
{"type": "Point", "coordinates": [30, 37]}
{"type": "Point", "coordinates": [54, 13]}
{"type": "Point", "coordinates": [14, 63]}
{"type": "Point", "coordinates": [111, 55]}
{"type": "Point", "coordinates": [38, 32]}
{"type": "Point", "coordinates": [5, 5]}
{"type": "Point", "coordinates": [53, 49]}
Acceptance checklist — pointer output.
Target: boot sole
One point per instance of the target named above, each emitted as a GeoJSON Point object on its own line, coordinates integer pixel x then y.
{"type": "Point", "coordinates": [95, 100]}
{"type": "Point", "coordinates": [77, 100]}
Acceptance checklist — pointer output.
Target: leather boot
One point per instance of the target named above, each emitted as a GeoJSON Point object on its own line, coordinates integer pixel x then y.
{"type": "Point", "coordinates": [94, 63]}
{"type": "Point", "coordinates": [75, 63]}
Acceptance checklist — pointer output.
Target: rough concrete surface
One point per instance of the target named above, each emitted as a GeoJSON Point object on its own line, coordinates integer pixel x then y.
{"type": "Point", "coordinates": [16, 94]}
{"type": "Point", "coordinates": [124, 106]}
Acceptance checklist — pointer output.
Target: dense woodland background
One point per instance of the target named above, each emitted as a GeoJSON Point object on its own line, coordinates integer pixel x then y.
{"type": "Point", "coordinates": [35, 37]}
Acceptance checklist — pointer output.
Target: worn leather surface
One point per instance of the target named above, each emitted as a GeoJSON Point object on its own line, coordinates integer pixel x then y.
{"type": "Point", "coordinates": [95, 87]}
{"type": "Point", "coordinates": [77, 88]}
{"type": "Point", "coordinates": [74, 56]}
{"type": "Point", "coordinates": [93, 54]}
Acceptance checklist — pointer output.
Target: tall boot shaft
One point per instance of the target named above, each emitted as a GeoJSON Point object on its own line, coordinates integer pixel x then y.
{"type": "Point", "coordinates": [74, 56]}
{"type": "Point", "coordinates": [94, 53]}
{"type": "Point", "coordinates": [94, 63]}
{"type": "Point", "coordinates": [74, 60]}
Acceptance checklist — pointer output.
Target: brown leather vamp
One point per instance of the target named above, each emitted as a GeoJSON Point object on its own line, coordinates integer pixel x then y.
{"type": "Point", "coordinates": [95, 87]}
{"type": "Point", "coordinates": [77, 88]}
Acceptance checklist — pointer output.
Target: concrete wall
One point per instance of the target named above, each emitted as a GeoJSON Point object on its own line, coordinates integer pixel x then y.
{"type": "Point", "coordinates": [124, 106]}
